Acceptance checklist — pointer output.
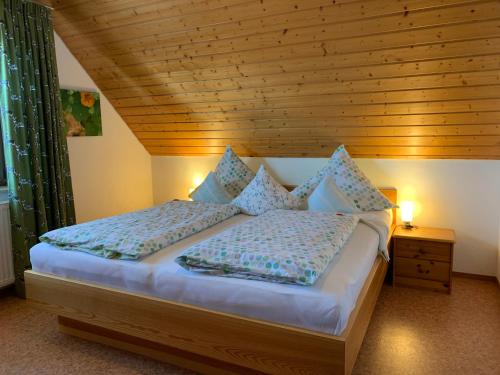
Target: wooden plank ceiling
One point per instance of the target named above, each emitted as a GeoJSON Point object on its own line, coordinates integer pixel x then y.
{"type": "Point", "coordinates": [388, 78]}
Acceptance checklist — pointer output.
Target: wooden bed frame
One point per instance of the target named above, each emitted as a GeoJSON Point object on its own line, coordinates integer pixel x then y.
{"type": "Point", "coordinates": [199, 339]}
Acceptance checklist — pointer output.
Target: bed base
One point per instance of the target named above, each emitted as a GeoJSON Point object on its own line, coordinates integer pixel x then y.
{"type": "Point", "coordinates": [200, 339]}
{"type": "Point", "coordinates": [147, 348]}
{"type": "Point", "coordinates": [203, 340]}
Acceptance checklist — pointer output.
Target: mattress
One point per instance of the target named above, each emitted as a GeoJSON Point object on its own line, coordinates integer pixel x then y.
{"type": "Point", "coordinates": [324, 307]}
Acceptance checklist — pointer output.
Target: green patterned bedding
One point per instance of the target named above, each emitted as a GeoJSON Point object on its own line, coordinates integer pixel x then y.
{"type": "Point", "coordinates": [137, 234]}
{"type": "Point", "coordinates": [283, 246]}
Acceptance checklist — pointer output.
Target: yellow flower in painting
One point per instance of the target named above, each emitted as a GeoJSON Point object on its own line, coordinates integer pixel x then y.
{"type": "Point", "coordinates": [87, 99]}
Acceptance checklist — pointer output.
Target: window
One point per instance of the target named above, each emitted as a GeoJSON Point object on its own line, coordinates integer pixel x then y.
{"type": "Point", "coordinates": [3, 174]}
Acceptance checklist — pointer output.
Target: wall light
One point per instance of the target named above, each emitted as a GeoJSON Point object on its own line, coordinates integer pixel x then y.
{"type": "Point", "coordinates": [197, 180]}
{"type": "Point", "coordinates": [407, 213]}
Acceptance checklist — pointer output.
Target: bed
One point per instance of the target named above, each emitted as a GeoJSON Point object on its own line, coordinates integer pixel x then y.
{"type": "Point", "coordinates": [155, 309]}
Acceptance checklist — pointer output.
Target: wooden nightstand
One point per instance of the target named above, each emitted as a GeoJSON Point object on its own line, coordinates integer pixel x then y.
{"type": "Point", "coordinates": [423, 258]}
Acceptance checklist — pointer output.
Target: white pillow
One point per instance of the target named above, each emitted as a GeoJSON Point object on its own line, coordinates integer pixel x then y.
{"type": "Point", "coordinates": [232, 173]}
{"type": "Point", "coordinates": [264, 193]}
{"type": "Point", "coordinates": [328, 198]}
{"type": "Point", "coordinates": [211, 191]}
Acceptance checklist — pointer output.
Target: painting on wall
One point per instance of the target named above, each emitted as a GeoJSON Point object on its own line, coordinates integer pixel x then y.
{"type": "Point", "coordinates": [82, 113]}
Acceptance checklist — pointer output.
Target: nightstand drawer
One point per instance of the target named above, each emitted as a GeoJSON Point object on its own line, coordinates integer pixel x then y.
{"type": "Point", "coordinates": [422, 269]}
{"type": "Point", "coordinates": [438, 286]}
{"type": "Point", "coordinates": [428, 250]}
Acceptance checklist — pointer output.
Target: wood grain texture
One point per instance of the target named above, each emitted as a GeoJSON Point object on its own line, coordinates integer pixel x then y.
{"type": "Point", "coordinates": [416, 249]}
{"type": "Point", "coordinates": [147, 348]}
{"type": "Point", "coordinates": [425, 234]}
{"type": "Point", "coordinates": [396, 79]}
{"type": "Point", "coordinates": [238, 341]}
{"type": "Point", "coordinates": [46, 3]}
{"type": "Point", "coordinates": [423, 258]}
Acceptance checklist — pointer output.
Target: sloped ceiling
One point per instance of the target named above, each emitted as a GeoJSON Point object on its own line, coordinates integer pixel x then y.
{"type": "Point", "coordinates": [388, 78]}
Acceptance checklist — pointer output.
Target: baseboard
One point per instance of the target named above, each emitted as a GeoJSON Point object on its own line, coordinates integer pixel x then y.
{"type": "Point", "coordinates": [476, 276]}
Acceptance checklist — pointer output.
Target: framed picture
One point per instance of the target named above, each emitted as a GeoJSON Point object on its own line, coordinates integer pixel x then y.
{"type": "Point", "coordinates": [82, 113]}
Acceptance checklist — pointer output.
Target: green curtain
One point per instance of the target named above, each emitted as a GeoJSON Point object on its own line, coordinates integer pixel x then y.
{"type": "Point", "coordinates": [36, 155]}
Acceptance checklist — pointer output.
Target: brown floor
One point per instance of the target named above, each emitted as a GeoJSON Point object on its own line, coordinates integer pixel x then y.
{"type": "Point", "coordinates": [411, 332]}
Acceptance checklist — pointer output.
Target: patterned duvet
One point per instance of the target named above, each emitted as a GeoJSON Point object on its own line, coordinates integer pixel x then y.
{"type": "Point", "coordinates": [283, 246]}
{"type": "Point", "coordinates": [137, 234]}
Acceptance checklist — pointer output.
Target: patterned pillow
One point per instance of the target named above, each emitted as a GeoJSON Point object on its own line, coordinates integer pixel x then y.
{"type": "Point", "coordinates": [353, 183]}
{"type": "Point", "coordinates": [232, 173]}
{"type": "Point", "coordinates": [211, 191]}
{"type": "Point", "coordinates": [264, 193]}
{"type": "Point", "coordinates": [305, 189]}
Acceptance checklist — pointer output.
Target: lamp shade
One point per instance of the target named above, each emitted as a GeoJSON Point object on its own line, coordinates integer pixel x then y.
{"type": "Point", "coordinates": [406, 211]}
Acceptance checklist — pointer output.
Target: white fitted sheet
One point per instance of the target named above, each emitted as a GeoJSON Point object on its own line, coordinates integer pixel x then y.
{"type": "Point", "coordinates": [324, 307]}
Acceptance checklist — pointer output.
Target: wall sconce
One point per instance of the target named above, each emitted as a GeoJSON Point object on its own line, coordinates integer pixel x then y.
{"type": "Point", "coordinates": [407, 214]}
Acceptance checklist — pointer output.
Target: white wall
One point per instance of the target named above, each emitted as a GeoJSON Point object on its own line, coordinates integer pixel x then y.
{"type": "Point", "coordinates": [459, 194]}
{"type": "Point", "coordinates": [111, 173]}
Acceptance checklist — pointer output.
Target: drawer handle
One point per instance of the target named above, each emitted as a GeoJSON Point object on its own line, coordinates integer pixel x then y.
{"type": "Point", "coordinates": [419, 268]}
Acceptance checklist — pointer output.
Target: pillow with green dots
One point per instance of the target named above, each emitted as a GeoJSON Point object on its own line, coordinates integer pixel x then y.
{"type": "Point", "coordinates": [232, 173]}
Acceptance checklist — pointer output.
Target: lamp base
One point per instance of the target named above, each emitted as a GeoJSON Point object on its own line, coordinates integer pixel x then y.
{"type": "Point", "coordinates": [407, 225]}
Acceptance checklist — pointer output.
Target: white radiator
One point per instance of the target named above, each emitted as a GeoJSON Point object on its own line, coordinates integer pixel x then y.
{"type": "Point", "coordinates": [6, 265]}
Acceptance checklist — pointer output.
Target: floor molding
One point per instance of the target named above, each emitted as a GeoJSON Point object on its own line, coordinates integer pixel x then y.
{"type": "Point", "coordinates": [476, 277]}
